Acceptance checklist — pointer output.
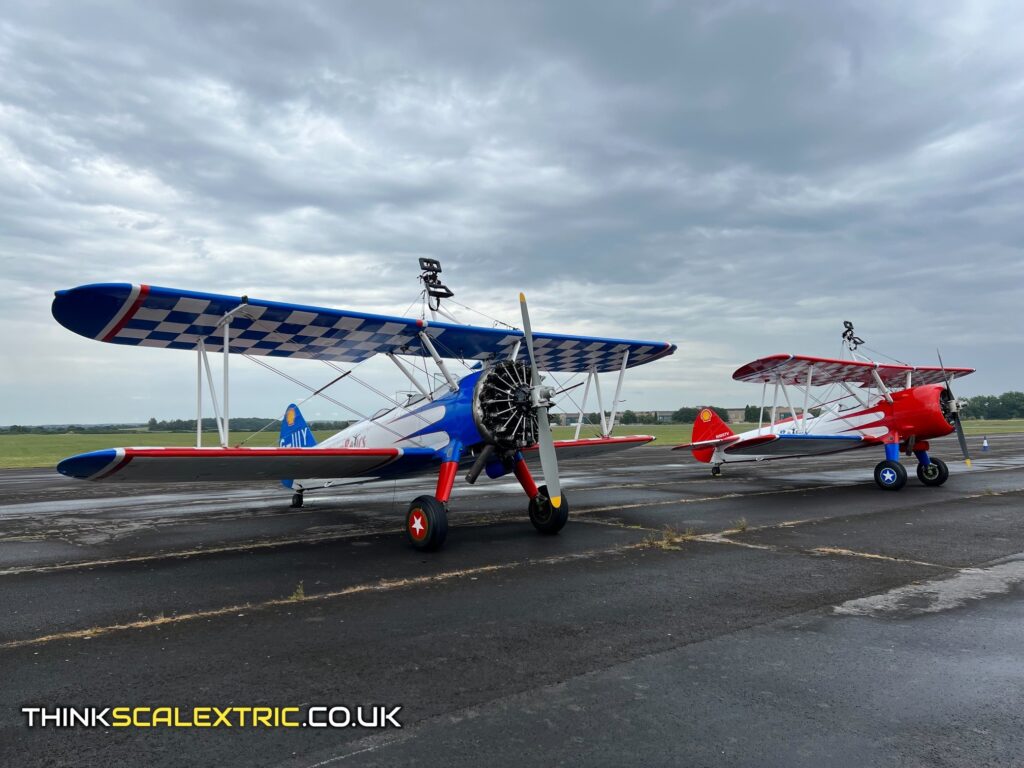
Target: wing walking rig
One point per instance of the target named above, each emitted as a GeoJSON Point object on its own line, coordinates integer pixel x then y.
{"type": "Point", "coordinates": [490, 420]}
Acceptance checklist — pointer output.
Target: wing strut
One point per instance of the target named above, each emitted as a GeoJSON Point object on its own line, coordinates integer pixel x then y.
{"type": "Point", "coordinates": [583, 405]}
{"type": "Point", "coordinates": [807, 394]}
{"type": "Point", "coordinates": [853, 392]}
{"type": "Point", "coordinates": [760, 413]}
{"type": "Point", "coordinates": [792, 411]}
{"type": "Point", "coordinates": [408, 374]}
{"type": "Point", "coordinates": [775, 405]}
{"type": "Point", "coordinates": [223, 428]}
{"type": "Point", "coordinates": [881, 385]}
{"type": "Point", "coordinates": [452, 384]}
{"type": "Point", "coordinates": [600, 403]}
{"type": "Point", "coordinates": [618, 391]}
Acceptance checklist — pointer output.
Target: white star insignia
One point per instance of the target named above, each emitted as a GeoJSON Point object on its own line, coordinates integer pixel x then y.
{"type": "Point", "coordinates": [888, 475]}
{"type": "Point", "coordinates": [417, 524]}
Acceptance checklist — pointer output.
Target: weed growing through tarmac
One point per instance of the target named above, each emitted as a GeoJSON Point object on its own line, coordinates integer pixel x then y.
{"type": "Point", "coordinates": [299, 593]}
{"type": "Point", "coordinates": [739, 526]}
{"type": "Point", "coordinates": [670, 539]}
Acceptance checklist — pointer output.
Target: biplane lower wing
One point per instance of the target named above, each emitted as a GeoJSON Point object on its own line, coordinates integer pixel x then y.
{"type": "Point", "coordinates": [593, 446]}
{"type": "Point", "coordinates": [212, 465]}
{"type": "Point", "coordinates": [779, 446]}
{"type": "Point", "coordinates": [186, 465]}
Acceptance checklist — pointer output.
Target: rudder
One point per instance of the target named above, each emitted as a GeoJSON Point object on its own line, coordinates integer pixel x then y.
{"type": "Point", "coordinates": [295, 433]}
{"type": "Point", "coordinates": [708, 426]}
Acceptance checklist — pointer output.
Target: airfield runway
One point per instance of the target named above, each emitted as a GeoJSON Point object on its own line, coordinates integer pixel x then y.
{"type": "Point", "coordinates": [785, 614]}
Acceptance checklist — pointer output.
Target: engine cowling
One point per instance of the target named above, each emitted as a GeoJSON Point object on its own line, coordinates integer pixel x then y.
{"type": "Point", "coordinates": [502, 407]}
{"type": "Point", "coordinates": [926, 411]}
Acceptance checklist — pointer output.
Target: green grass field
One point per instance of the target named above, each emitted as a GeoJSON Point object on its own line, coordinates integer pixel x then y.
{"type": "Point", "coordinates": [47, 450]}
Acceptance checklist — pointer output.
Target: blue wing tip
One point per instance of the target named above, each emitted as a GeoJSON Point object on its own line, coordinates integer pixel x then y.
{"type": "Point", "coordinates": [86, 309]}
{"type": "Point", "coordinates": [84, 465]}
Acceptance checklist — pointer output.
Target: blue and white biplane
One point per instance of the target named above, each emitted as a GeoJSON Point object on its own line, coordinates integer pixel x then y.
{"type": "Point", "coordinates": [489, 420]}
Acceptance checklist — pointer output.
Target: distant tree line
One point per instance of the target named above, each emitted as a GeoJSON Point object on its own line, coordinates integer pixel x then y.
{"type": "Point", "coordinates": [59, 429]}
{"type": "Point", "coordinates": [631, 417]}
{"type": "Point", "coordinates": [688, 415]}
{"type": "Point", "coordinates": [241, 424]}
{"type": "Point", "coordinates": [1009, 405]}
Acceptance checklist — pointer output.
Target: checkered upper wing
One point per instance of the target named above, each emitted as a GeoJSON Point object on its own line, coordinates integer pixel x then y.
{"type": "Point", "coordinates": [150, 316]}
{"type": "Point", "coordinates": [793, 370]}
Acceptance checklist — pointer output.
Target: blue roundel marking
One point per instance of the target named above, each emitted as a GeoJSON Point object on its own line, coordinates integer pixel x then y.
{"type": "Point", "coordinates": [888, 476]}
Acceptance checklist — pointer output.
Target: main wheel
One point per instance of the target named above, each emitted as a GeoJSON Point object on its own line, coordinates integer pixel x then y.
{"type": "Point", "coordinates": [934, 473]}
{"type": "Point", "coordinates": [890, 475]}
{"type": "Point", "coordinates": [546, 518]}
{"type": "Point", "coordinates": [426, 523]}
{"type": "Point", "coordinates": [716, 470]}
{"type": "Point", "coordinates": [296, 500]}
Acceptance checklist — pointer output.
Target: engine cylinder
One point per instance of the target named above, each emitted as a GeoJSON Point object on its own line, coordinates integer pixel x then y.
{"type": "Point", "coordinates": [502, 409]}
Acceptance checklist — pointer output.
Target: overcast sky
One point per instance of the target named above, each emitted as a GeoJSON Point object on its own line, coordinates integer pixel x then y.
{"type": "Point", "coordinates": [735, 177]}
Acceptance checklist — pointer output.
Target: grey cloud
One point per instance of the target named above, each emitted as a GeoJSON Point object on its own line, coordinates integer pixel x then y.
{"type": "Point", "coordinates": [737, 177]}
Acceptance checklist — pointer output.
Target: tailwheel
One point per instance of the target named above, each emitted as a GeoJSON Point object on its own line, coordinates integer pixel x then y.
{"type": "Point", "coordinates": [426, 523]}
{"type": "Point", "coordinates": [716, 471]}
{"type": "Point", "coordinates": [296, 499]}
{"type": "Point", "coordinates": [546, 518]}
{"type": "Point", "coordinates": [934, 473]}
{"type": "Point", "coordinates": [890, 475]}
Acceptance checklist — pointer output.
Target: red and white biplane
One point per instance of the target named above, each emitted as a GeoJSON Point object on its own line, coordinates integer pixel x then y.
{"type": "Point", "coordinates": [841, 405]}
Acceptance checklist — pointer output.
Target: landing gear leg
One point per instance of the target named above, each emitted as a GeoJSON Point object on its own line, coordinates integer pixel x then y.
{"type": "Point", "coordinates": [297, 500]}
{"type": "Point", "coordinates": [545, 517]}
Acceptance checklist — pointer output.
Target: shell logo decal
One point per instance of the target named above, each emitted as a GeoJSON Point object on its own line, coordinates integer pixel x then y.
{"type": "Point", "coordinates": [705, 415]}
{"type": "Point", "coordinates": [289, 417]}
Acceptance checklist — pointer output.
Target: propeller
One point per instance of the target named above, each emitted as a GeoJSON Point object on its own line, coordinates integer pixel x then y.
{"type": "Point", "coordinates": [954, 412]}
{"type": "Point", "coordinates": [540, 397]}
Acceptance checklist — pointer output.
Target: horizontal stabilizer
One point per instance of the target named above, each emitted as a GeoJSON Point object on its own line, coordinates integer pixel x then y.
{"type": "Point", "coordinates": [702, 444]}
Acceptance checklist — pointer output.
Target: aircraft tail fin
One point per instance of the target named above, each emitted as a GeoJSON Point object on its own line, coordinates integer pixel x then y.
{"type": "Point", "coordinates": [295, 433]}
{"type": "Point", "coordinates": [708, 427]}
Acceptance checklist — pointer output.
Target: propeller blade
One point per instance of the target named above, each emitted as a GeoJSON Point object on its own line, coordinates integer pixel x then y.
{"type": "Point", "coordinates": [545, 442]}
{"type": "Point", "coordinates": [528, 333]}
{"type": "Point", "coordinates": [956, 413]}
{"type": "Point", "coordinates": [963, 440]}
{"type": "Point", "coordinates": [548, 459]}
{"type": "Point", "coordinates": [945, 375]}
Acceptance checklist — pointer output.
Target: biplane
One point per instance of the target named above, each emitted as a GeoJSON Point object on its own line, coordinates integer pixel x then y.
{"type": "Point", "coordinates": [488, 420]}
{"type": "Point", "coordinates": [843, 404]}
